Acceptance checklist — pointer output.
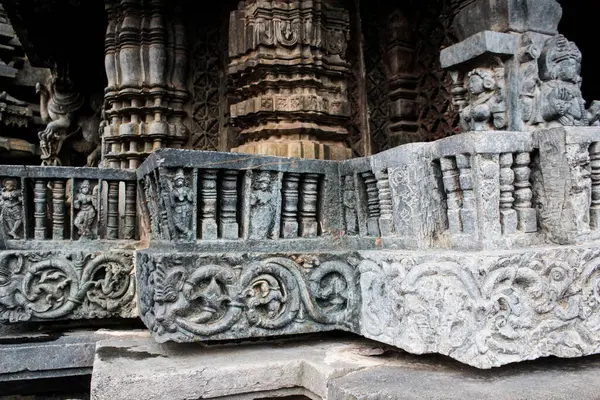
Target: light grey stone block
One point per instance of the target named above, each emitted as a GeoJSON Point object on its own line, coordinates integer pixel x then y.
{"type": "Point", "coordinates": [321, 368]}
{"type": "Point", "coordinates": [540, 16]}
{"type": "Point", "coordinates": [486, 42]}
{"type": "Point", "coordinates": [484, 309]}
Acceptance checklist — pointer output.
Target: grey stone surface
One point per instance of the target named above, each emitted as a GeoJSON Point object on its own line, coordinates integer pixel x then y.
{"type": "Point", "coordinates": [540, 16]}
{"type": "Point", "coordinates": [321, 368]}
{"type": "Point", "coordinates": [27, 356]}
{"type": "Point", "coordinates": [553, 381]}
{"type": "Point", "coordinates": [136, 369]}
{"type": "Point", "coordinates": [485, 42]}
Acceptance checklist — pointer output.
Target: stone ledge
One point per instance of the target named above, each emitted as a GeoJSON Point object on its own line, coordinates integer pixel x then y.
{"type": "Point", "coordinates": [39, 356]}
{"type": "Point", "coordinates": [474, 46]}
{"type": "Point", "coordinates": [485, 309]}
{"type": "Point", "coordinates": [321, 368]}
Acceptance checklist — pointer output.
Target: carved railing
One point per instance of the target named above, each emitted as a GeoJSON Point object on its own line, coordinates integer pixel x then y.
{"type": "Point", "coordinates": [62, 203]}
{"type": "Point", "coordinates": [61, 255]}
{"type": "Point", "coordinates": [486, 181]}
{"type": "Point", "coordinates": [477, 190]}
{"type": "Point", "coordinates": [209, 196]}
{"type": "Point", "coordinates": [239, 246]}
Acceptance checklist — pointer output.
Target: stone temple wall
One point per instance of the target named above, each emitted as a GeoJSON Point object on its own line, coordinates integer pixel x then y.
{"type": "Point", "coordinates": [482, 245]}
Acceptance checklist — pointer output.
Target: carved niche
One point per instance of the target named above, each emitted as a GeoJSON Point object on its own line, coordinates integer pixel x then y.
{"type": "Point", "coordinates": [288, 64]}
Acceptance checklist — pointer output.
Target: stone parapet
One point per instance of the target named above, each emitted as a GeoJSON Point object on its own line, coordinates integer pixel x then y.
{"type": "Point", "coordinates": [67, 243]}
{"type": "Point", "coordinates": [481, 246]}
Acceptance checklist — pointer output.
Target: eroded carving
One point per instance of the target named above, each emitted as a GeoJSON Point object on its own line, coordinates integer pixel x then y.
{"type": "Point", "coordinates": [262, 206]}
{"type": "Point", "coordinates": [485, 311]}
{"type": "Point", "coordinates": [529, 75]}
{"type": "Point", "coordinates": [182, 201]}
{"type": "Point", "coordinates": [486, 108]}
{"type": "Point", "coordinates": [349, 202]}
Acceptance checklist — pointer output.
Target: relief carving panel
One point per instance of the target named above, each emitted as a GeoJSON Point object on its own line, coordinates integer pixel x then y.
{"type": "Point", "coordinates": [185, 297]}
{"type": "Point", "coordinates": [484, 310]}
{"type": "Point", "coordinates": [48, 285]}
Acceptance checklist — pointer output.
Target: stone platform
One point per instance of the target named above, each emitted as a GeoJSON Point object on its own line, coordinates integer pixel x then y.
{"type": "Point", "coordinates": [321, 367]}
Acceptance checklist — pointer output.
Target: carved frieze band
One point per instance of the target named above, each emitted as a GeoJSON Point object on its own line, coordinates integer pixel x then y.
{"type": "Point", "coordinates": [188, 298]}
{"type": "Point", "coordinates": [484, 310]}
{"type": "Point", "coordinates": [49, 285]}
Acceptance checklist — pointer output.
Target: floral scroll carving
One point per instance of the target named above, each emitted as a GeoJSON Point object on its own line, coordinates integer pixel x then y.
{"type": "Point", "coordinates": [46, 286]}
{"type": "Point", "coordinates": [266, 297]}
{"type": "Point", "coordinates": [485, 312]}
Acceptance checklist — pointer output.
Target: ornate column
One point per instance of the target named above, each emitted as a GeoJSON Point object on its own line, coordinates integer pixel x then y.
{"type": "Point", "coordinates": [402, 79]}
{"type": "Point", "coordinates": [288, 64]}
{"type": "Point", "coordinates": [58, 210]}
{"type": "Point", "coordinates": [146, 67]}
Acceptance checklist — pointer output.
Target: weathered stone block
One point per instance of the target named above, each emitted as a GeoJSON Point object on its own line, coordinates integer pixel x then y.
{"type": "Point", "coordinates": [561, 182]}
{"type": "Point", "coordinates": [484, 309]}
{"type": "Point", "coordinates": [186, 297]}
{"type": "Point", "coordinates": [540, 16]}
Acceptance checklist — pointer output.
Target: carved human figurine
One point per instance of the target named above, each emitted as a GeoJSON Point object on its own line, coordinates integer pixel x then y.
{"type": "Point", "coordinates": [182, 199]}
{"type": "Point", "coordinates": [486, 108]}
{"type": "Point", "coordinates": [528, 56]}
{"type": "Point", "coordinates": [85, 202]}
{"type": "Point", "coordinates": [11, 209]}
{"type": "Point", "coordinates": [262, 214]}
{"type": "Point", "coordinates": [560, 102]}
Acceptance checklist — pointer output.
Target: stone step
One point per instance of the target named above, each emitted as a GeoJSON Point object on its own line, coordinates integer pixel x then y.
{"type": "Point", "coordinates": [321, 367]}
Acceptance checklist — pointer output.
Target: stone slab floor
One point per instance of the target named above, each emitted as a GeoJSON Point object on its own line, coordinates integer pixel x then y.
{"type": "Point", "coordinates": [322, 367]}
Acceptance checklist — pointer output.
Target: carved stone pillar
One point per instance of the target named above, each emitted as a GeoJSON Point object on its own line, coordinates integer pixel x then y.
{"type": "Point", "coordinates": [508, 63]}
{"type": "Point", "coordinates": [39, 200]}
{"type": "Point", "coordinates": [402, 80]}
{"type": "Point", "coordinates": [146, 68]}
{"type": "Point", "coordinates": [58, 210]}
{"type": "Point", "coordinates": [288, 64]}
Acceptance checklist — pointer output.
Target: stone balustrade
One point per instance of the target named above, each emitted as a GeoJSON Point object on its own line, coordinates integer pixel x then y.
{"type": "Point", "coordinates": [481, 246]}
{"type": "Point", "coordinates": [193, 196]}
{"type": "Point", "coordinates": [68, 238]}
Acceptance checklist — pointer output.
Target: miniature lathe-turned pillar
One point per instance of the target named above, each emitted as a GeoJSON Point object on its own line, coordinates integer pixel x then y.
{"type": "Point", "coordinates": [146, 69]}
{"type": "Point", "coordinates": [289, 68]}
